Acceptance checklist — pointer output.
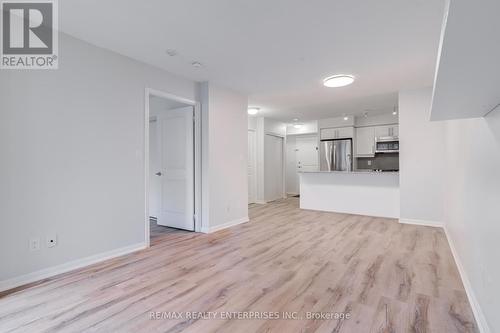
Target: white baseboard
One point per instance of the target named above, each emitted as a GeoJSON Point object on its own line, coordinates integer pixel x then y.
{"type": "Point", "coordinates": [69, 266]}
{"type": "Point", "coordinates": [422, 222]}
{"type": "Point", "coordinates": [476, 308]}
{"type": "Point", "coordinates": [225, 225]}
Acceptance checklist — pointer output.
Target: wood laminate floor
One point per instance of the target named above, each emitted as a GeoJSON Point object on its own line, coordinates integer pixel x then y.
{"type": "Point", "coordinates": [387, 276]}
{"type": "Point", "coordinates": [157, 232]}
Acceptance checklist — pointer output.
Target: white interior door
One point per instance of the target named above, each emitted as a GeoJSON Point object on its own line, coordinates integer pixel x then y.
{"type": "Point", "coordinates": [307, 153]}
{"type": "Point", "coordinates": [252, 178]}
{"type": "Point", "coordinates": [176, 146]}
{"type": "Point", "coordinates": [273, 165]}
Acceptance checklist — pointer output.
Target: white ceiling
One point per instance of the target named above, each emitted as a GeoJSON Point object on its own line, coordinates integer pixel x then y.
{"type": "Point", "coordinates": [276, 51]}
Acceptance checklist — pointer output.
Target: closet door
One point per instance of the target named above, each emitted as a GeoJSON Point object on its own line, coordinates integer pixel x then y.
{"type": "Point", "coordinates": [273, 165]}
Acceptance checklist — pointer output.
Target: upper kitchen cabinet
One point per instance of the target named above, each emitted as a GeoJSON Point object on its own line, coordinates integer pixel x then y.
{"type": "Point", "coordinates": [336, 133]}
{"type": "Point", "coordinates": [365, 141]}
{"type": "Point", "coordinates": [387, 130]}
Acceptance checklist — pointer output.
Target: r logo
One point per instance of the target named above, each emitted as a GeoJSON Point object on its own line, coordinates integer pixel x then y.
{"type": "Point", "coordinates": [27, 28]}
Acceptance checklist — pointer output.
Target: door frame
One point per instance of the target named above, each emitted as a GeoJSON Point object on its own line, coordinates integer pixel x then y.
{"type": "Point", "coordinates": [197, 214]}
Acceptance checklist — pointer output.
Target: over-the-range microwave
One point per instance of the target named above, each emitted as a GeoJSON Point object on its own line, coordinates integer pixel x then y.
{"type": "Point", "coordinates": [387, 144]}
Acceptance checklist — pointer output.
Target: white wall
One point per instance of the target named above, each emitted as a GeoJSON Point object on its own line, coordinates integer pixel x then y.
{"type": "Point", "coordinates": [72, 147]}
{"type": "Point", "coordinates": [462, 188]}
{"type": "Point", "coordinates": [421, 159]}
{"type": "Point", "coordinates": [335, 122]}
{"type": "Point", "coordinates": [225, 124]}
{"type": "Point", "coordinates": [274, 127]}
{"type": "Point", "coordinates": [252, 123]}
{"type": "Point", "coordinates": [310, 127]}
{"type": "Point", "coordinates": [472, 206]}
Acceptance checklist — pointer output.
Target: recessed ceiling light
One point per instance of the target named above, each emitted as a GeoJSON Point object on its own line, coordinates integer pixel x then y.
{"type": "Point", "coordinates": [336, 81]}
{"type": "Point", "coordinates": [253, 111]}
{"type": "Point", "coordinates": [196, 64]}
{"type": "Point", "coordinates": [394, 113]}
{"type": "Point", "coordinates": [295, 119]}
{"type": "Point", "coordinates": [297, 126]}
{"type": "Point", "coordinates": [346, 118]}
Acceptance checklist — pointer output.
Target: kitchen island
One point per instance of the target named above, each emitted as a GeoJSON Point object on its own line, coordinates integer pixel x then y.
{"type": "Point", "coordinates": [353, 192]}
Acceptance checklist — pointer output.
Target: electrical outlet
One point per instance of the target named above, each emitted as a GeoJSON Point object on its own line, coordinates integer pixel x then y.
{"type": "Point", "coordinates": [369, 162]}
{"type": "Point", "coordinates": [34, 244]}
{"type": "Point", "coordinates": [51, 240]}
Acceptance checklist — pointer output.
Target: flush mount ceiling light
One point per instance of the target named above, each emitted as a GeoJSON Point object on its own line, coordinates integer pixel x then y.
{"type": "Point", "coordinates": [337, 81]}
{"type": "Point", "coordinates": [253, 111]}
{"type": "Point", "coordinates": [297, 126]}
{"type": "Point", "coordinates": [196, 64]}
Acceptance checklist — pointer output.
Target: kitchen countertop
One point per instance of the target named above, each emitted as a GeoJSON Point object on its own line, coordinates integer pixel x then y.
{"type": "Point", "coordinates": [367, 172]}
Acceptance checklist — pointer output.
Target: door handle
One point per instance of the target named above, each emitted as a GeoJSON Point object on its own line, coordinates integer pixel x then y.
{"type": "Point", "coordinates": [158, 174]}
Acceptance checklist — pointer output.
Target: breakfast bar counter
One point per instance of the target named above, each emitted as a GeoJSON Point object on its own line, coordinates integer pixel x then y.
{"type": "Point", "coordinates": [354, 192]}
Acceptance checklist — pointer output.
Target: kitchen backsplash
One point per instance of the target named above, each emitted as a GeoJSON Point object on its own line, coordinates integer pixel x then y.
{"type": "Point", "coordinates": [379, 162]}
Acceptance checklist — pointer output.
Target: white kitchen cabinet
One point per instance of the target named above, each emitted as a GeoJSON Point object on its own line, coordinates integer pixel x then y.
{"type": "Point", "coordinates": [365, 141]}
{"type": "Point", "coordinates": [395, 130]}
{"type": "Point", "coordinates": [337, 133]}
{"type": "Point", "coordinates": [345, 132]}
{"type": "Point", "coordinates": [328, 133]}
{"type": "Point", "coordinates": [386, 130]}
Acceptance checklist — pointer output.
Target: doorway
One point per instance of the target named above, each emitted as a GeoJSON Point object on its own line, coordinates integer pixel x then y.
{"type": "Point", "coordinates": [302, 155]}
{"type": "Point", "coordinates": [173, 164]}
{"type": "Point", "coordinates": [273, 167]}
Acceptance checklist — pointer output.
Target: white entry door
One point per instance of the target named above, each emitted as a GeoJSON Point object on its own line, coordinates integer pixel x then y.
{"type": "Point", "coordinates": [307, 153]}
{"type": "Point", "coordinates": [176, 147]}
{"type": "Point", "coordinates": [273, 167]}
{"type": "Point", "coordinates": [252, 178]}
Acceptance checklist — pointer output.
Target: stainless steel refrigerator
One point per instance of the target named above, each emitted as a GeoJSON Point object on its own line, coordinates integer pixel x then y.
{"type": "Point", "coordinates": [335, 155]}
